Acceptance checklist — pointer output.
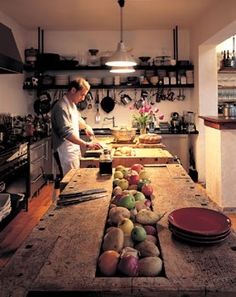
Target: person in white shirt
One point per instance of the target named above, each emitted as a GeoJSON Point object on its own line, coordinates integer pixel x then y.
{"type": "Point", "coordinates": [66, 123]}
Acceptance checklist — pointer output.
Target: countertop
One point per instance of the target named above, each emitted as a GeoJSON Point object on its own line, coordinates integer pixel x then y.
{"type": "Point", "coordinates": [59, 258]}
{"type": "Point", "coordinates": [107, 131]}
{"type": "Point", "coordinates": [219, 122]}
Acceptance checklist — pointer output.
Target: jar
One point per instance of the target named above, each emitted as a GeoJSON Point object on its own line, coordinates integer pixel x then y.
{"type": "Point", "coordinates": [93, 59]}
{"type": "Point", "coordinates": [105, 163]}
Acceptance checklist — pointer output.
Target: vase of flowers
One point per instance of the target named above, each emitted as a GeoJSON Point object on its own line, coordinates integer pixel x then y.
{"type": "Point", "coordinates": [146, 115]}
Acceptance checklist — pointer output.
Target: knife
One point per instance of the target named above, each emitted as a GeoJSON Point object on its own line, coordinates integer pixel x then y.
{"type": "Point", "coordinates": [80, 199]}
{"type": "Point", "coordinates": [82, 193]}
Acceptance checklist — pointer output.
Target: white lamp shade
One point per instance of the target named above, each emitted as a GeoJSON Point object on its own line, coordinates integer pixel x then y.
{"type": "Point", "coordinates": [122, 70]}
{"type": "Point", "coordinates": [121, 58]}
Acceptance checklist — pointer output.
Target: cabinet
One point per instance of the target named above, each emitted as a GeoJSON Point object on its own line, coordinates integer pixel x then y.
{"type": "Point", "coordinates": [141, 71]}
{"type": "Point", "coordinates": [40, 164]}
{"type": "Point", "coordinates": [178, 145]}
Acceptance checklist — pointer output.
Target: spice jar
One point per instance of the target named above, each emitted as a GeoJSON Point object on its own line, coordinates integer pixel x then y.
{"type": "Point", "coordinates": [105, 163]}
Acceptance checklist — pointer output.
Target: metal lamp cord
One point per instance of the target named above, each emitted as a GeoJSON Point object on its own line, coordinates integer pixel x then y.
{"type": "Point", "coordinates": [121, 4]}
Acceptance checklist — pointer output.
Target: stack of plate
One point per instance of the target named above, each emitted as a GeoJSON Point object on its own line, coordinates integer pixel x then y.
{"type": "Point", "coordinates": [5, 205]}
{"type": "Point", "coordinates": [199, 225]}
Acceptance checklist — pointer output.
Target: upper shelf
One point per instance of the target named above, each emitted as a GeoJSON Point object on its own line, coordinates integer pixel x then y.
{"type": "Point", "coordinates": [29, 68]}
{"type": "Point", "coordinates": [123, 86]}
{"type": "Point", "coordinates": [227, 70]}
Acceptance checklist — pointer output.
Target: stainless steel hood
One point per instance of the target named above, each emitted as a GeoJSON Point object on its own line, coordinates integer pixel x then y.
{"type": "Point", "coordinates": [10, 60]}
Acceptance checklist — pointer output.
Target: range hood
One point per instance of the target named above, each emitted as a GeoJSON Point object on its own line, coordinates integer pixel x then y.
{"type": "Point", "coordinates": [10, 60]}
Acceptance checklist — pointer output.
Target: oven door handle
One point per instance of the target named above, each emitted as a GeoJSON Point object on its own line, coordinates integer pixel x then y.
{"type": "Point", "coordinates": [39, 159]}
{"type": "Point", "coordinates": [37, 178]}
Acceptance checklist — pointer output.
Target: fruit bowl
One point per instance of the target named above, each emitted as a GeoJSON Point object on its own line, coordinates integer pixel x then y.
{"type": "Point", "coordinates": [124, 134]}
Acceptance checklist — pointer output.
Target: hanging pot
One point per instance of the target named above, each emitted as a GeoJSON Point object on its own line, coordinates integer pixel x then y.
{"type": "Point", "coordinates": [42, 107]}
{"type": "Point", "coordinates": [43, 104]}
{"type": "Point", "coordinates": [125, 99]}
{"type": "Point", "coordinates": [108, 103]}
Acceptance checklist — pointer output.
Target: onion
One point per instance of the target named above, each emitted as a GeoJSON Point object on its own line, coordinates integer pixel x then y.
{"type": "Point", "coordinates": [128, 265]}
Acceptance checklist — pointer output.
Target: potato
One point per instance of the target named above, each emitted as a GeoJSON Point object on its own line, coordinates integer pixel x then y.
{"type": "Point", "coordinates": [139, 205]}
{"type": "Point", "coordinates": [117, 214]}
{"type": "Point", "coordinates": [147, 217]}
{"type": "Point", "coordinates": [128, 242]}
{"type": "Point", "coordinates": [151, 238]}
{"type": "Point", "coordinates": [147, 249]}
{"type": "Point", "coordinates": [113, 240]}
{"type": "Point", "coordinates": [149, 266]}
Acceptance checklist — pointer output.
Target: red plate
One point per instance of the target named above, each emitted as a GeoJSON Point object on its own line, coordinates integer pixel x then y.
{"type": "Point", "coordinates": [199, 241]}
{"type": "Point", "coordinates": [199, 220]}
{"type": "Point", "coordinates": [191, 236]}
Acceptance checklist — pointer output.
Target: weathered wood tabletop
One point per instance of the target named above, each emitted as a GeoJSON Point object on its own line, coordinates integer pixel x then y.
{"type": "Point", "coordinates": [59, 258]}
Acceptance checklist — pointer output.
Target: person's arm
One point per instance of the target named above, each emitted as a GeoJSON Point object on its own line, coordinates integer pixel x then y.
{"type": "Point", "coordinates": [86, 127]}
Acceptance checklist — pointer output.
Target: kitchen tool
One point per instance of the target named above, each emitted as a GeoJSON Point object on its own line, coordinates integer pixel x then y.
{"type": "Point", "coordinates": [125, 99]}
{"type": "Point", "coordinates": [79, 199]}
{"type": "Point", "coordinates": [89, 98]}
{"type": "Point", "coordinates": [107, 103]}
{"type": "Point", "coordinates": [97, 101]}
{"type": "Point", "coordinates": [82, 193]}
{"type": "Point", "coordinates": [43, 104]}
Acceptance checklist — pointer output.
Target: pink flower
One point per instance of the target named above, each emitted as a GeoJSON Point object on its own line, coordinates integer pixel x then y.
{"type": "Point", "coordinates": [161, 117]}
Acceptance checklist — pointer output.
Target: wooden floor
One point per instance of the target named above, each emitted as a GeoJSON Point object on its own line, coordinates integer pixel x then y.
{"type": "Point", "coordinates": [21, 226]}
{"type": "Point", "coordinates": [16, 232]}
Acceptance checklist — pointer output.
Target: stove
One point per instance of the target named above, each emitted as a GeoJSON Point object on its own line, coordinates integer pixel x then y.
{"type": "Point", "coordinates": [14, 172]}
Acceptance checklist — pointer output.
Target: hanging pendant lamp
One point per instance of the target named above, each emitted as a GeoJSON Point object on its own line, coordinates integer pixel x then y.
{"type": "Point", "coordinates": [122, 69]}
{"type": "Point", "coordinates": [121, 57]}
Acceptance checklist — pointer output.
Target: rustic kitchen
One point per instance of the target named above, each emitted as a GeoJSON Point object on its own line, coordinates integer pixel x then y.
{"type": "Point", "coordinates": [152, 211]}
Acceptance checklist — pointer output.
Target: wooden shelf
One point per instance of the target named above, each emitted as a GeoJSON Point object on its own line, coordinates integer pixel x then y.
{"type": "Point", "coordinates": [227, 70]}
{"type": "Point", "coordinates": [29, 68]}
{"type": "Point", "coordinates": [226, 87]}
{"type": "Point", "coordinates": [114, 87]}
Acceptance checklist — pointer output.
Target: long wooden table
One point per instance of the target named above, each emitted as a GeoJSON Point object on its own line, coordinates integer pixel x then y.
{"type": "Point", "coordinates": [59, 258]}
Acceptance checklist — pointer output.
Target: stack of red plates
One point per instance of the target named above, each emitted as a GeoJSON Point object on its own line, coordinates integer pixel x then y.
{"type": "Point", "coordinates": [199, 225]}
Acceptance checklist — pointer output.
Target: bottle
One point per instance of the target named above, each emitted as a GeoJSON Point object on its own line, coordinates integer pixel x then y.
{"type": "Point", "coordinates": [105, 163]}
{"type": "Point", "coordinates": [228, 60]}
{"type": "Point", "coordinates": [152, 123]}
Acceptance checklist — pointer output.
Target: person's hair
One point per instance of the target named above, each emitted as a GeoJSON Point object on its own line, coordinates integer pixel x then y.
{"type": "Point", "coordinates": [79, 84]}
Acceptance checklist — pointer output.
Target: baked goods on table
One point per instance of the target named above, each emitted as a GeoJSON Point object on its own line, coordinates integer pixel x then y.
{"type": "Point", "coordinates": [150, 138]}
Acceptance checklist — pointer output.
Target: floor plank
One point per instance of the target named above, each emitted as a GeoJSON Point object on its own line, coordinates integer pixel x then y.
{"type": "Point", "coordinates": [12, 236]}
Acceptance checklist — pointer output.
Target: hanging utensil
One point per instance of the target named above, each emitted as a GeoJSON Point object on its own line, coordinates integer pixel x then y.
{"type": "Point", "coordinates": [107, 103]}
{"type": "Point", "coordinates": [97, 102]}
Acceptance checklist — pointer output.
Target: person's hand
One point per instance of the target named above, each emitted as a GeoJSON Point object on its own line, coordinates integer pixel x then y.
{"type": "Point", "coordinates": [89, 131]}
{"type": "Point", "coordinates": [94, 145]}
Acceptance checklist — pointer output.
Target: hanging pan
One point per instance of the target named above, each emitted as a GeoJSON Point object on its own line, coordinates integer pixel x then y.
{"type": "Point", "coordinates": [43, 104]}
{"type": "Point", "coordinates": [108, 103]}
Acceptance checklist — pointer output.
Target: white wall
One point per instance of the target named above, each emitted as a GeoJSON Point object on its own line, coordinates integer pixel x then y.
{"type": "Point", "coordinates": [215, 26]}
{"type": "Point", "coordinates": [12, 98]}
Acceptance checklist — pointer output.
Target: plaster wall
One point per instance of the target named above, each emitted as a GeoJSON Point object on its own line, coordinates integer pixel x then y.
{"type": "Point", "coordinates": [12, 98]}
{"type": "Point", "coordinates": [215, 26]}
{"type": "Point", "coordinates": [213, 151]}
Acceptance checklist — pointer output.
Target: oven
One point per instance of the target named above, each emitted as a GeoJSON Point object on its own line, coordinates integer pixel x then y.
{"type": "Point", "coordinates": [14, 178]}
